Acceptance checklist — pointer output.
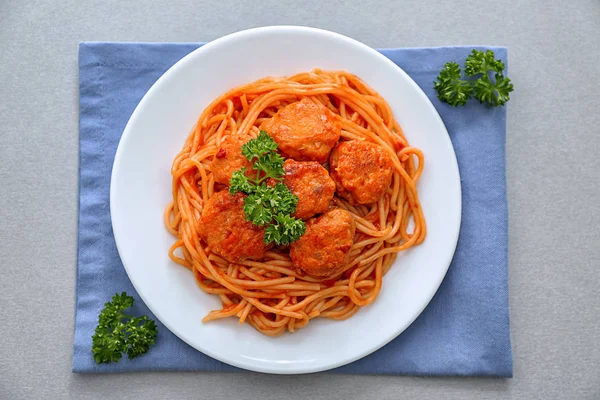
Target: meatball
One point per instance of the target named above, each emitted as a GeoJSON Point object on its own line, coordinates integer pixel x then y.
{"type": "Point", "coordinates": [362, 171]}
{"type": "Point", "coordinates": [226, 231]}
{"type": "Point", "coordinates": [323, 250]}
{"type": "Point", "coordinates": [304, 131]}
{"type": "Point", "coordinates": [229, 157]}
{"type": "Point", "coordinates": [311, 183]}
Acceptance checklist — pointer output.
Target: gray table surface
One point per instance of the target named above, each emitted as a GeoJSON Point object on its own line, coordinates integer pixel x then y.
{"type": "Point", "coordinates": [553, 164]}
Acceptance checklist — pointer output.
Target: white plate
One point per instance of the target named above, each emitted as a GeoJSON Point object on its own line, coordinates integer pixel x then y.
{"type": "Point", "coordinates": [141, 186]}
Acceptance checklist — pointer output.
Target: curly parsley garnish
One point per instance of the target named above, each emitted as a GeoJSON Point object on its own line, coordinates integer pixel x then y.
{"type": "Point", "coordinates": [119, 333]}
{"type": "Point", "coordinates": [451, 88]}
{"type": "Point", "coordinates": [267, 205]}
{"type": "Point", "coordinates": [480, 67]}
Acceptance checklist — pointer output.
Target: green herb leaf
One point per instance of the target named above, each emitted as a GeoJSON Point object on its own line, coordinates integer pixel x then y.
{"type": "Point", "coordinates": [141, 334]}
{"type": "Point", "coordinates": [451, 88]}
{"type": "Point", "coordinates": [239, 182]}
{"type": "Point", "coordinates": [493, 94]}
{"type": "Point", "coordinates": [479, 62]}
{"type": "Point", "coordinates": [270, 165]}
{"type": "Point", "coordinates": [283, 200]}
{"type": "Point", "coordinates": [486, 82]}
{"type": "Point", "coordinates": [284, 230]}
{"type": "Point", "coordinates": [269, 205]}
{"type": "Point", "coordinates": [257, 205]}
{"type": "Point", "coordinates": [259, 146]}
{"type": "Point", "coordinates": [490, 92]}
{"type": "Point", "coordinates": [119, 333]}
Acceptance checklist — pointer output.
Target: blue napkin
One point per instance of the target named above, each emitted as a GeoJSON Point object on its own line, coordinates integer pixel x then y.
{"type": "Point", "coordinates": [463, 331]}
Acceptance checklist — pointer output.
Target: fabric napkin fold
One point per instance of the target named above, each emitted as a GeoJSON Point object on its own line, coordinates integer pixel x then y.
{"type": "Point", "coordinates": [463, 331]}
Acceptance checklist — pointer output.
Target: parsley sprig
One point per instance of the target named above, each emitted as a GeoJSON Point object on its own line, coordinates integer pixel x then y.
{"type": "Point", "coordinates": [267, 205]}
{"type": "Point", "coordinates": [479, 68]}
{"type": "Point", "coordinates": [119, 333]}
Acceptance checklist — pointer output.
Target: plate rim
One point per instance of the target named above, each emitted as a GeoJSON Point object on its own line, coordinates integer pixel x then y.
{"type": "Point", "coordinates": [274, 29]}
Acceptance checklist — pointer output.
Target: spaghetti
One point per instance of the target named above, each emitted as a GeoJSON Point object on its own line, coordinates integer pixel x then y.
{"type": "Point", "coordinates": [271, 294]}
